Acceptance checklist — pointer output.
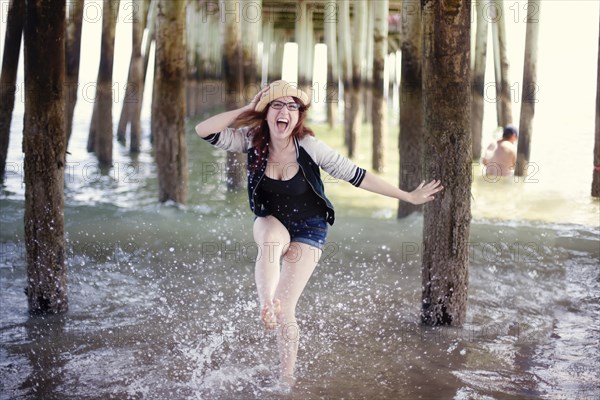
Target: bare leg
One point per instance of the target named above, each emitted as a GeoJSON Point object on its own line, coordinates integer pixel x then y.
{"type": "Point", "coordinates": [299, 263]}
{"type": "Point", "coordinates": [273, 240]}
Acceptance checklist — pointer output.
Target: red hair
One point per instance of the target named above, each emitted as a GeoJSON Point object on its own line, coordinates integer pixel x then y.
{"type": "Point", "coordinates": [259, 129]}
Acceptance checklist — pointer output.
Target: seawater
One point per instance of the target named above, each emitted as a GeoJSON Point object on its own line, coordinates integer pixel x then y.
{"type": "Point", "coordinates": [163, 305]}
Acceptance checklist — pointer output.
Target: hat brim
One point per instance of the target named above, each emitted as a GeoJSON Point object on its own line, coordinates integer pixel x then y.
{"type": "Point", "coordinates": [279, 89]}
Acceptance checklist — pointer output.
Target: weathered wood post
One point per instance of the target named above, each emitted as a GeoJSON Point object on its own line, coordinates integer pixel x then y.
{"type": "Point", "coordinates": [345, 63]}
{"type": "Point", "coordinates": [137, 75]}
{"type": "Point", "coordinates": [477, 101]}
{"type": "Point", "coordinates": [73, 49]}
{"type": "Point", "coordinates": [411, 105]}
{"type": "Point", "coordinates": [528, 98]}
{"type": "Point", "coordinates": [137, 79]}
{"type": "Point", "coordinates": [359, 27]}
{"type": "Point", "coordinates": [367, 81]}
{"type": "Point", "coordinates": [151, 38]}
{"type": "Point", "coordinates": [267, 53]}
{"type": "Point", "coordinates": [501, 64]}
{"type": "Point", "coordinates": [596, 173]}
{"type": "Point", "coordinates": [8, 79]}
{"type": "Point", "coordinates": [216, 45]}
{"type": "Point", "coordinates": [379, 107]}
{"type": "Point", "coordinates": [101, 129]}
{"type": "Point", "coordinates": [130, 114]}
{"type": "Point", "coordinates": [168, 102]}
{"type": "Point", "coordinates": [234, 81]}
{"type": "Point", "coordinates": [331, 90]}
{"type": "Point", "coordinates": [300, 32]}
{"type": "Point", "coordinates": [251, 27]}
{"type": "Point", "coordinates": [446, 86]}
{"type": "Point", "coordinates": [305, 39]}
{"type": "Point", "coordinates": [44, 145]}
{"type": "Point", "coordinates": [194, 37]}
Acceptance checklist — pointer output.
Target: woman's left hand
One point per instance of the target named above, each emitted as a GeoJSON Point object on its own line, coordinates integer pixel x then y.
{"type": "Point", "coordinates": [424, 192]}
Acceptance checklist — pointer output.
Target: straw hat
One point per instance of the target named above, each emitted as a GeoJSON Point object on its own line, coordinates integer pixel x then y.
{"type": "Point", "coordinates": [279, 89]}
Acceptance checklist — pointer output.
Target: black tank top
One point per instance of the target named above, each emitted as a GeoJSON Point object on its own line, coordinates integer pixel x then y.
{"type": "Point", "coordinates": [292, 199]}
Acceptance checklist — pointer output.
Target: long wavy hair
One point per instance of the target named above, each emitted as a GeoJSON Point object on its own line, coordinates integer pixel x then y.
{"type": "Point", "coordinates": [259, 129]}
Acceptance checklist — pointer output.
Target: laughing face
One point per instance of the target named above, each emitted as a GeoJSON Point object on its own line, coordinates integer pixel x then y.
{"type": "Point", "coordinates": [282, 121]}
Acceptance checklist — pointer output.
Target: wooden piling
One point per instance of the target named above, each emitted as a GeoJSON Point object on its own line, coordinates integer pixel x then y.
{"type": "Point", "coordinates": [130, 112]}
{"type": "Point", "coordinates": [345, 62]}
{"type": "Point", "coordinates": [501, 64]}
{"type": "Point", "coordinates": [596, 157]}
{"type": "Point", "coordinates": [478, 85]}
{"type": "Point", "coordinates": [304, 37]}
{"type": "Point", "coordinates": [267, 52]}
{"type": "Point", "coordinates": [367, 81]}
{"type": "Point", "coordinates": [150, 38]}
{"type": "Point", "coordinates": [379, 107]}
{"type": "Point", "coordinates": [73, 49]}
{"type": "Point", "coordinates": [446, 82]}
{"type": "Point", "coordinates": [528, 97]}
{"type": "Point", "coordinates": [101, 129]}
{"type": "Point", "coordinates": [44, 145]}
{"type": "Point", "coordinates": [233, 76]}
{"type": "Point", "coordinates": [251, 29]}
{"type": "Point", "coordinates": [194, 37]}
{"type": "Point", "coordinates": [410, 140]}
{"type": "Point", "coordinates": [168, 102]}
{"type": "Point", "coordinates": [15, 20]}
{"type": "Point", "coordinates": [331, 89]}
{"type": "Point", "coordinates": [359, 27]}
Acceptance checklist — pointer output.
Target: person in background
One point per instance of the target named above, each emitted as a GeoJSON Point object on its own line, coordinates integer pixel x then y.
{"type": "Point", "coordinates": [288, 199]}
{"type": "Point", "coordinates": [501, 156]}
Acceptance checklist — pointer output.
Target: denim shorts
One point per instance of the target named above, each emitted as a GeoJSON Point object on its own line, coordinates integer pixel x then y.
{"type": "Point", "coordinates": [311, 231]}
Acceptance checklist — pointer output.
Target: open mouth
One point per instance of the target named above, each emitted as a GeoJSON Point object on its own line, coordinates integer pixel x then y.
{"type": "Point", "coordinates": [282, 123]}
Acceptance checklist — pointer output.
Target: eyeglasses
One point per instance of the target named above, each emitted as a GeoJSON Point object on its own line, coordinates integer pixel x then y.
{"type": "Point", "coordinates": [278, 105]}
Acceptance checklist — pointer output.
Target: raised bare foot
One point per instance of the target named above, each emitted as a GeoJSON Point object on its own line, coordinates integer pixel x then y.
{"type": "Point", "coordinates": [269, 312]}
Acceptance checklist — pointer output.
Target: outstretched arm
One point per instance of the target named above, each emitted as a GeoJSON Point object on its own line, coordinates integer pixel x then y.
{"type": "Point", "coordinates": [221, 121]}
{"type": "Point", "coordinates": [422, 194]}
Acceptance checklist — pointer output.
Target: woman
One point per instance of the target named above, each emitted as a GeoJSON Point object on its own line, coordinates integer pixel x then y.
{"type": "Point", "coordinates": [287, 197]}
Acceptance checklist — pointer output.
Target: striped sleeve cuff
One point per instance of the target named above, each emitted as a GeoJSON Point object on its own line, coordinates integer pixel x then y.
{"type": "Point", "coordinates": [213, 138]}
{"type": "Point", "coordinates": [359, 175]}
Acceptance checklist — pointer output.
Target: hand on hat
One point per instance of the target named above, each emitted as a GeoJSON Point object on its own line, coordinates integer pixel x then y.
{"type": "Point", "coordinates": [262, 93]}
